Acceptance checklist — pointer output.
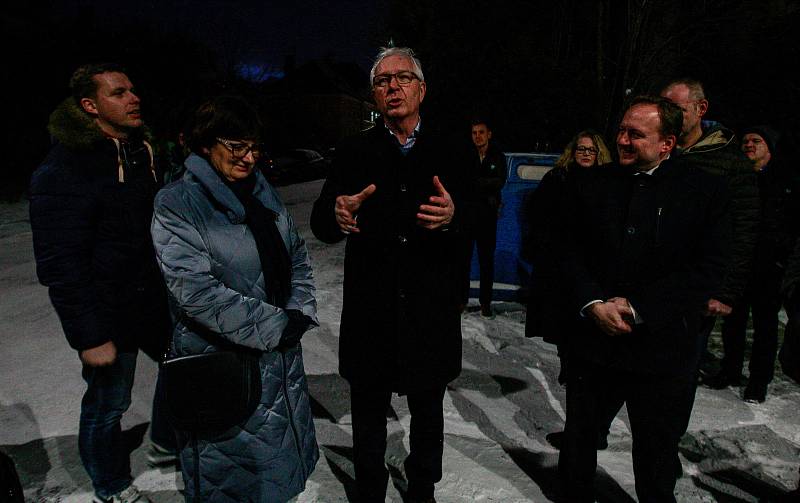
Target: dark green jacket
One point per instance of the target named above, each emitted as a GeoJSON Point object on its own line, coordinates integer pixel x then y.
{"type": "Point", "coordinates": [718, 152]}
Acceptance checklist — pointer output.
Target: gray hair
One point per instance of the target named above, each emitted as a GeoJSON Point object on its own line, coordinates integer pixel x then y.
{"type": "Point", "coordinates": [695, 87]}
{"type": "Point", "coordinates": [405, 52]}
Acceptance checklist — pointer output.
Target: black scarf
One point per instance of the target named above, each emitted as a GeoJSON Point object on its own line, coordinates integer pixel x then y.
{"type": "Point", "coordinates": [275, 262]}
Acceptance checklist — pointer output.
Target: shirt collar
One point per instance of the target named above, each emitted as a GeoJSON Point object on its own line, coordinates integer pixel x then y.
{"type": "Point", "coordinates": [412, 138]}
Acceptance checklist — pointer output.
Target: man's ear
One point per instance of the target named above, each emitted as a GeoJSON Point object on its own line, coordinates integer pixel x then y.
{"type": "Point", "coordinates": [669, 143]}
{"type": "Point", "coordinates": [702, 107]}
{"type": "Point", "coordinates": [88, 106]}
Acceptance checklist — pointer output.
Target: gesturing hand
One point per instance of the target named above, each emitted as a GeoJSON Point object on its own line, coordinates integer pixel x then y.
{"type": "Point", "coordinates": [347, 206]}
{"type": "Point", "coordinates": [440, 210]}
{"type": "Point", "coordinates": [610, 317]}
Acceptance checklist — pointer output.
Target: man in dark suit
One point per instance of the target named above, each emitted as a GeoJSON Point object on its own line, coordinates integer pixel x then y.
{"type": "Point", "coordinates": [646, 244]}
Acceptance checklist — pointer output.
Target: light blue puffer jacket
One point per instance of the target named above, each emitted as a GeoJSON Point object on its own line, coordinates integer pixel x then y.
{"type": "Point", "coordinates": [212, 269]}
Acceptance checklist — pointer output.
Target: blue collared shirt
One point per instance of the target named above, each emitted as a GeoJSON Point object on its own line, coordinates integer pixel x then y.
{"type": "Point", "coordinates": [406, 147]}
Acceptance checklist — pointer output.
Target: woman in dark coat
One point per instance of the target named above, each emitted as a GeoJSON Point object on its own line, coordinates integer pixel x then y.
{"type": "Point", "coordinates": [546, 316]}
{"type": "Point", "coordinates": [238, 273]}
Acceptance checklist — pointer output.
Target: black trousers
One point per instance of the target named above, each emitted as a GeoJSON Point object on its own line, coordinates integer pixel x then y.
{"type": "Point", "coordinates": [423, 465]}
{"type": "Point", "coordinates": [481, 230]}
{"type": "Point", "coordinates": [763, 297]}
{"type": "Point", "coordinates": [658, 409]}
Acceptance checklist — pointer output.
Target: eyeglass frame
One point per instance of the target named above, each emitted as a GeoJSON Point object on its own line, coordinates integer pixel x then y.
{"type": "Point", "coordinates": [396, 76]}
{"type": "Point", "coordinates": [249, 148]}
{"type": "Point", "coordinates": [586, 150]}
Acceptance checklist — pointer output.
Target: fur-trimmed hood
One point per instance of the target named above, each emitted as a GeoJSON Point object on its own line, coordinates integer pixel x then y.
{"type": "Point", "coordinates": [72, 127]}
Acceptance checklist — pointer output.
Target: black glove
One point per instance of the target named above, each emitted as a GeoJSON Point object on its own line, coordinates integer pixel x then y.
{"type": "Point", "coordinates": [297, 326]}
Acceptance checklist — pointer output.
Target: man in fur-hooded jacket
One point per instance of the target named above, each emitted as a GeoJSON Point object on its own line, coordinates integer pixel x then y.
{"type": "Point", "coordinates": [91, 202]}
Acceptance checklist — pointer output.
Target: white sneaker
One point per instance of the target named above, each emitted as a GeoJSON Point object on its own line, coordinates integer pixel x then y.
{"type": "Point", "coordinates": [130, 494]}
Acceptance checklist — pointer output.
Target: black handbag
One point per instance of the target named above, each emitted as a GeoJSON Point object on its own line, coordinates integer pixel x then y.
{"type": "Point", "coordinates": [211, 392]}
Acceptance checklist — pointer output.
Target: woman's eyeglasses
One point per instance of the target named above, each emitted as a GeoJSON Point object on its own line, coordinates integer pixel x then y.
{"type": "Point", "coordinates": [586, 150]}
{"type": "Point", "coordinates": [240, 149]}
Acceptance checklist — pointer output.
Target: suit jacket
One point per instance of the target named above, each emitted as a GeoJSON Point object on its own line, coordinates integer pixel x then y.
{"type": "Point", "coordinates": [662, 242]}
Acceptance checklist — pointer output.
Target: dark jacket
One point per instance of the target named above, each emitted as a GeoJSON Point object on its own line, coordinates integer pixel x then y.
{"type": "Point", "coordinates": [660, 241]}
{"type": "Point", "coordinates": [90, 207]}
{"type": "Point", "coordinates": [791, 278]}
{"type": "Point", "coordinates": [401, 328]}
{"type": "Point", "coordinates": [487, 178]}
{"type": "Point", "coordinates": [545, 219]}
{"type": "Point", "coordinates": [219, 294]}
{"type": "Point", "coordinates": [779, 194]}
{"type": "Point", "coordinates": [718, 152]}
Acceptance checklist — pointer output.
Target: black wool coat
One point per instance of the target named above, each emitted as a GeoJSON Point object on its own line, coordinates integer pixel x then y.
{"type": "Point", "coordinates": [662, 242]}
{"type": "Point", "coordinates": [400, 327]}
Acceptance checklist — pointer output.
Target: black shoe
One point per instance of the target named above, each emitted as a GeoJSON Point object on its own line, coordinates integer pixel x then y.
{"type": "Point", "coordinates": [755, 393]}
{"type": "Point", "coordinates": [722, 380]}
{"type": "Point", "coordinates": [556, 438]}
{"type": "Point", "coordinates": [486, 312]}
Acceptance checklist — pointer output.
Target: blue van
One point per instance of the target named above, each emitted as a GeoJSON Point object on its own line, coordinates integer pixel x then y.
{"type": "Point", "coordinates": [512, 273]}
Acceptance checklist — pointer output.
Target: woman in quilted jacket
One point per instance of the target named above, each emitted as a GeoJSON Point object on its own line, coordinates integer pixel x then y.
{"type": "Point", "coordinates": [238, 272]}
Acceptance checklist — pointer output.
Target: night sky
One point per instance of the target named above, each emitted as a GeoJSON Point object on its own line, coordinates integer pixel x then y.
{"type": "Point", "coordinates": [261, 33]}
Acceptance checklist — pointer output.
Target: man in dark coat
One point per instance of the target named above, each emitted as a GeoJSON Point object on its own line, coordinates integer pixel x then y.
{"type": "Point", "coordinates": [780, 208]}
{"type": "Point", "coordinates": [486, 177]}
{"type": "Point", "coordinates": [400, 329]}
{"type": "Point", "coordinates": [645, 246]}
{"type": "Point", "coordinates": [91, 202]}
{"type": "Point", "coordinates": [714, 149]}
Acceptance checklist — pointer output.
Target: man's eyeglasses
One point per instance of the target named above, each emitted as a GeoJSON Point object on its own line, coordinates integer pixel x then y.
{"type": "Point", "coordinates": [586, 150]}
{"type": "Point", "coordinates": [403, 79]}
{"type": "Point", "coordinates": [239, 149]}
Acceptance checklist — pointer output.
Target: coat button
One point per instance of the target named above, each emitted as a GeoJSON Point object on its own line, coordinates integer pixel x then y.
{"type": "Point", "coordinates": [403, 187]}
{"type": "Point", "coordinates": [403, 240]}
{"type": "Point", "coordinates": [631, 230]}
{"type": "Point", "coordinates": [401, 293]}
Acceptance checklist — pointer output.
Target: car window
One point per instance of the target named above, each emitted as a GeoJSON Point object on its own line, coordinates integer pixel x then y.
{"type": "Point", "coordinates": [532, 171]}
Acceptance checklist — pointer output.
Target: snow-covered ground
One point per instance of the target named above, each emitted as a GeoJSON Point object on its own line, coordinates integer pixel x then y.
{"type": "Point", "coordinates": [498, 412]}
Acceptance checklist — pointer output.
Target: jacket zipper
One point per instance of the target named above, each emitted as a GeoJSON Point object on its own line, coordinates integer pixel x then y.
{"type": "Point", "coordinates": [291, 416]}
{"type": "Point", "coordinates": [658, 226]}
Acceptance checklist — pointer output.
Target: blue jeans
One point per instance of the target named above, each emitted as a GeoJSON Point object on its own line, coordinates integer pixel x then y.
{"type": "Point", "coordinates": [103, 451]}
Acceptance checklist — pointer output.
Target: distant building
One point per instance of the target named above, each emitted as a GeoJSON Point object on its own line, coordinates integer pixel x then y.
{"type": "Point", "coordinates": [316, 104]}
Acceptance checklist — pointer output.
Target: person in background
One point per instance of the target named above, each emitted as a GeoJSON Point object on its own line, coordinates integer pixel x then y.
{"type": "Point", "coordinates": [711, 147]}
{"type": "Point", "coordinates": [239, 275]}
{"type": "Point", "coordinates": [547, 316]}
{"type": "Point", "coordinates": [778, 194]}
{"type": "Point", "coordinates": [91, 201]}
{"type": "Point", "coordinates": [482, 203]}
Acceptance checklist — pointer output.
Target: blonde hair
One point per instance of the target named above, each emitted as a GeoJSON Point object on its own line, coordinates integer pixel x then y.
{"type": "Point", "coordinates": [567, 158]}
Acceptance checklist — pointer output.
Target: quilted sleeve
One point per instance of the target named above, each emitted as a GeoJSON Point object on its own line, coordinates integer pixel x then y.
{"type": "Point", "coordinates": [186, 266]}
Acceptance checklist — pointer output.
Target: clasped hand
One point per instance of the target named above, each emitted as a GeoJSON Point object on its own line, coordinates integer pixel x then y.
{"type": "Point", "coordinates": [613, 317]}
